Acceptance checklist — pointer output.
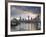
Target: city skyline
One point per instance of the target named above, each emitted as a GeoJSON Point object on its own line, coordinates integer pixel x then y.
{"type": "Point", "coordinates": [16, 12]}
{"type": "Point", "coordinates": [18, 18]}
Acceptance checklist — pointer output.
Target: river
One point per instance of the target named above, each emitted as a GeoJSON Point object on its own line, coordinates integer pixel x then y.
{"type": "Point", "coordinates": [26, 27]}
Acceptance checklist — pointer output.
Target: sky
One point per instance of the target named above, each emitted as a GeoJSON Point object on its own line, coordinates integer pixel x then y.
{"type": "Point", "coordinates": [24, 11]}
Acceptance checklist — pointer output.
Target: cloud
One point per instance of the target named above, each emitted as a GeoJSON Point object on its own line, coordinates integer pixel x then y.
{"type": "Point", "coordinates": [19, 10]}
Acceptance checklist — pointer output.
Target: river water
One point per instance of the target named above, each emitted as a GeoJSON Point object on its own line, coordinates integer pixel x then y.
{"type": "Point", "coordinates": [25, 27]}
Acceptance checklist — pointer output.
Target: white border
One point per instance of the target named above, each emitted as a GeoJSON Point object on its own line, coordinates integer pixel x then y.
{"type": "Point", "coordinates": [24, 32]}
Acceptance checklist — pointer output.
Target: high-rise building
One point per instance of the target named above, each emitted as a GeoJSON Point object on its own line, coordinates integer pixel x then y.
{"type": "Point", "coordinates": [20, 18]}
{"type": "Point", "coordinates": [28, 17]}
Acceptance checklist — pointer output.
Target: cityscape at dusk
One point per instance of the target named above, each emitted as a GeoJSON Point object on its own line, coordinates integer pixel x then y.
{"type": "Point", "coordinates": [25, 18]}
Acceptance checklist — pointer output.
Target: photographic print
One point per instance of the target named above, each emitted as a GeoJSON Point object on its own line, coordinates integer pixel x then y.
{"type": "Point", "coordinates": [25, 18]}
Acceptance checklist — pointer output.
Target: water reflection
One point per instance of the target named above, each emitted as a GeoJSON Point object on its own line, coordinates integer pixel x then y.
{"type": "Point", "coordinates": [26, 25]}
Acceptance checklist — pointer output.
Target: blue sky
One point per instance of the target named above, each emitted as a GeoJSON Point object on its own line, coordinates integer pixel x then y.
{"type": "Point", "coordinates": [15, 9]}
{"type": "Point", "coordinates": [33, 8]}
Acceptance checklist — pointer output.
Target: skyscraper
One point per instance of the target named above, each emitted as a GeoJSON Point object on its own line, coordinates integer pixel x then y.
{"type": "Point", "coordinates": [28, 18]}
